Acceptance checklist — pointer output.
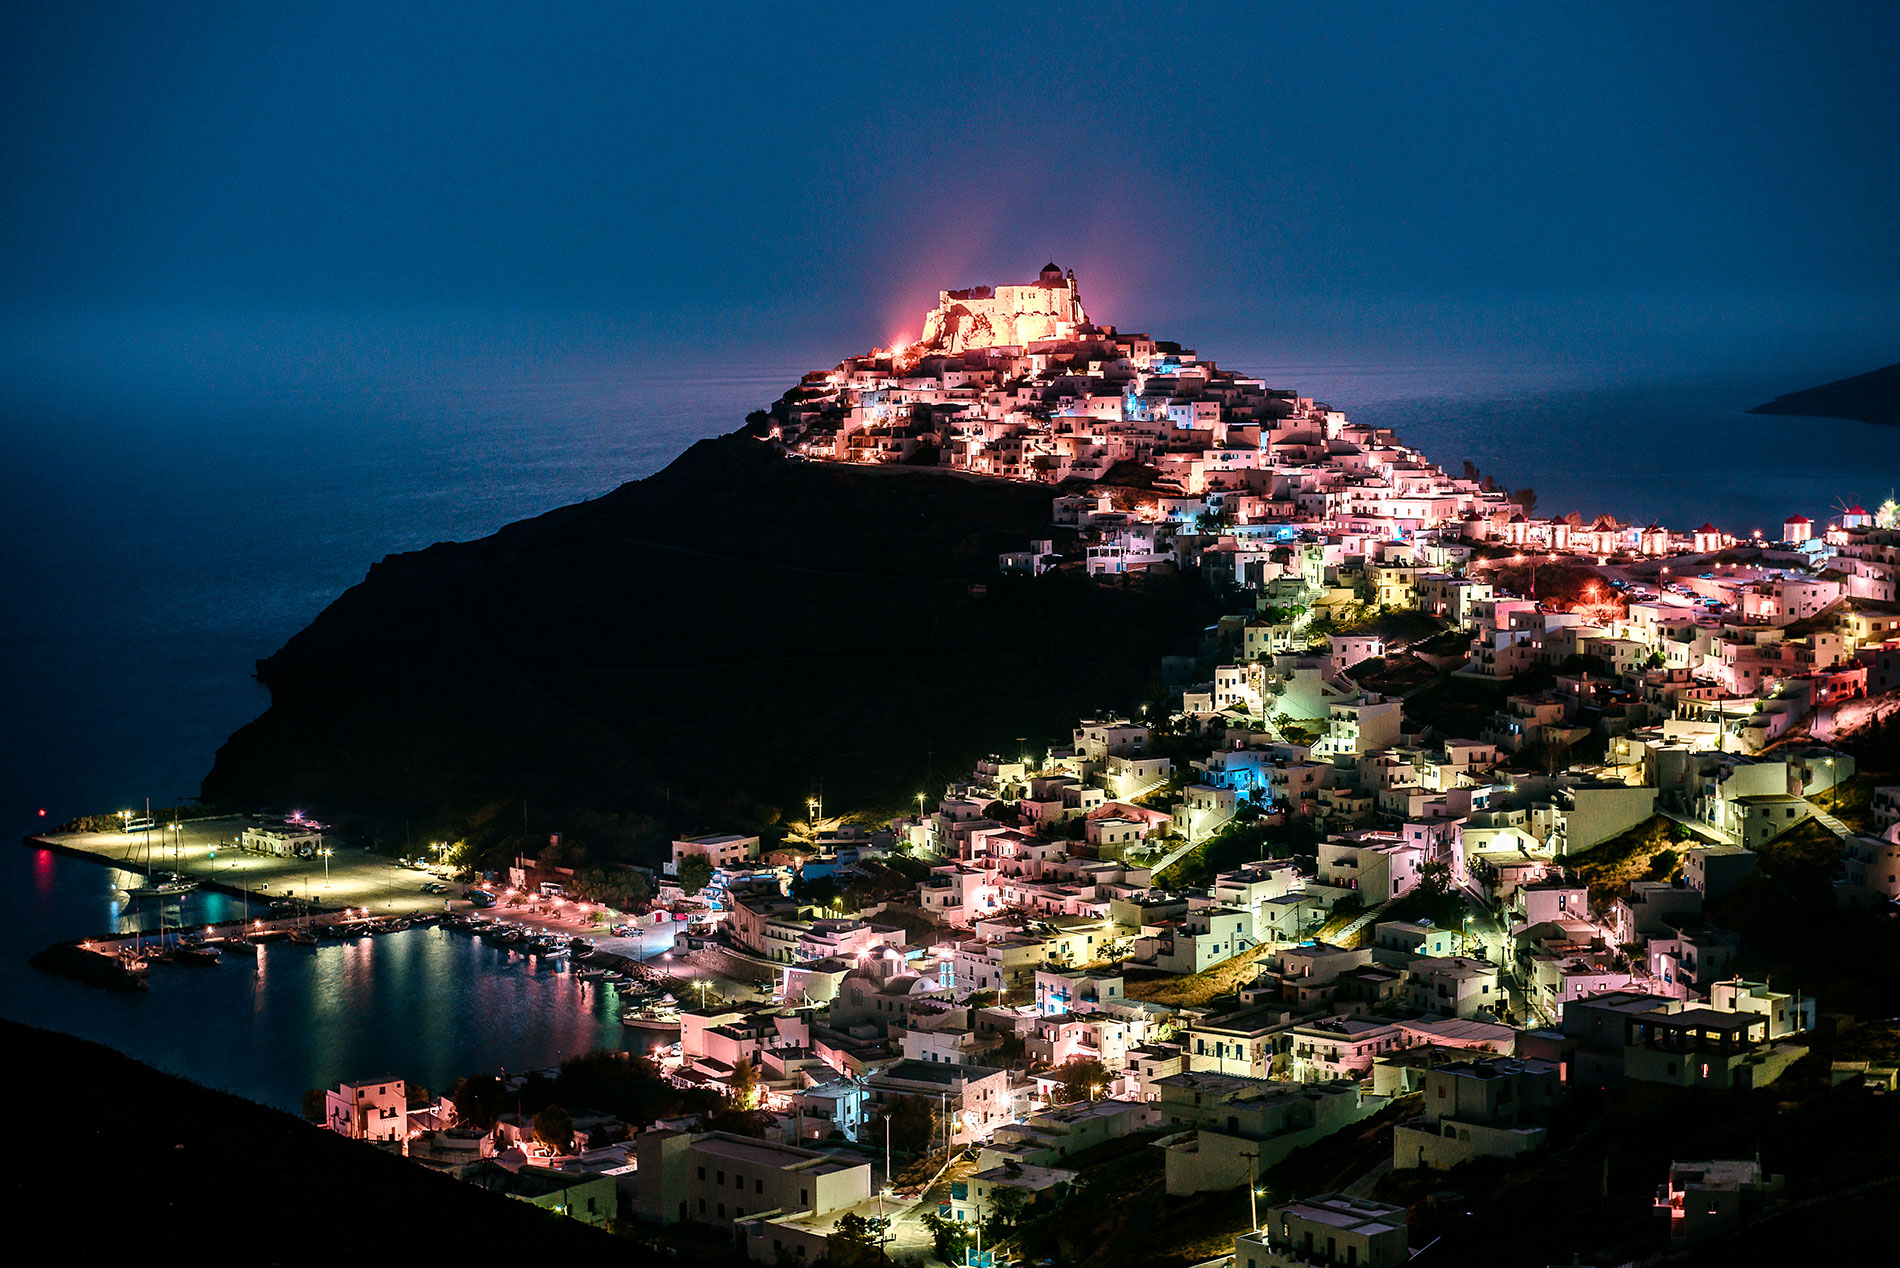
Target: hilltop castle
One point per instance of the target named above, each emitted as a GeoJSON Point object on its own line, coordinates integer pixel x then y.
{"type": "Point", "coordinates": [1005, 316]}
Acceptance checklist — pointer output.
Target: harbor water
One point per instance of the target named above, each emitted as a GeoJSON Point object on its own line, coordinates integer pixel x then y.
{"type": "Point", "coordinates": [426, 1004]}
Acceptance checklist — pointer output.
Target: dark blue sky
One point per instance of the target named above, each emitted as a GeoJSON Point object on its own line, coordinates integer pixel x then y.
{"type": "Point", "coordinates": [1641, 179]}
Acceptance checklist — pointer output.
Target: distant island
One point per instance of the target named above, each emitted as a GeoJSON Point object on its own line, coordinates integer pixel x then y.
{"type": "Point", "coordinates": [1873, 397]}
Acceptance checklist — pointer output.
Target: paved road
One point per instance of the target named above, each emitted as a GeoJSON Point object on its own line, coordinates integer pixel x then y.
{"type": "Point", "coordinates": [207, 850]}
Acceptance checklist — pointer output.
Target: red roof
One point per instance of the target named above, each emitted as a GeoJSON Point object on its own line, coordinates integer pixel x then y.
{"type": "Point", "coordinates": [1797, 519]}
{"type": "Point", "coordinates": [1706, 528]}
{"type": "Point", "coordinates": [1857, 510]}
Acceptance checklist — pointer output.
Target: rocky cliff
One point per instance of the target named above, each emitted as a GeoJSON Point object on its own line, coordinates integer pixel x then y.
{"type": "Point", "coordinates": [1873, 397]}
{"type": "Point", "coordinates": [698, 649]}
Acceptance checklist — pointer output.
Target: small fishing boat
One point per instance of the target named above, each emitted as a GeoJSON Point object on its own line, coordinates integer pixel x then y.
{"type": "Point", "coordinates": [657, 1017]}
{"type": "Point", "coordinates": [195, 953]}
{"type": "Point", "coordinates": [303, 937]}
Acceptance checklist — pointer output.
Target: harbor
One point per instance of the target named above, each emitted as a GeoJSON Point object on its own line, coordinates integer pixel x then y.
{"type": "Point", "coordinates": [446, 994]}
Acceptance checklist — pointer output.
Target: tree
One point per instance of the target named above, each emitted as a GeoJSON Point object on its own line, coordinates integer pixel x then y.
{"type": "Point", "coordinates": [313, 1105]}
{"type": "Point", "coordinates": [632, 1089]}
{"type": "Point", "coordinates": [1006, 1209]}
{"type": "Point", "coordinates": [1526, 498]}
{"type": "Point", "coordinates": [479, 1100]}
{"type": "Point", "coordinates": [623, 889]}
{"type": "Point", "coordinates": [1009, 1050]}
{"type": "Point", "coordinates": [949, 1238]}
{"type": "Point", "coordinates": [1082, 1079]}
{"type": "Point", "coordinates": [695, 872]}
{"type": "Point", "coordinates": [856, 1240]}
{"type": "Point", "coordinates": [743, 1087]}
{"type": "Point", "coordinates": [554, 1127]}
{"type": "Point", "coordinates": [914, 1124]}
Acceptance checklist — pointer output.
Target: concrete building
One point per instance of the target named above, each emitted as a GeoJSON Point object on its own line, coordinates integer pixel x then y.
{"type": "Point", "coordinates": [1452, 986]}
{"type": "Point", "coordinates": [1705, 1198]}
{"type": "Point", "coordinates": [721, 849]}
{"type": "Point", "coordinates": [370, 1109]}
{"type": "Point", "coordinates": [1493, 1108]}
{"type": "Point", "coordinates": [1714, 870]}
{"type": "Point", "coordinates": [716, 1177]}
{"type": "Point", "coordinates": [1226, 1128]}
{"type": "Point", "coordinates": [1705, 1047]}
{"type": "Point", "coordinates": [587, 1196]}
{"type": "Point", "coordinates": [975, 1097]}
{"type": "Point", "coordinates": [1329, 1230]}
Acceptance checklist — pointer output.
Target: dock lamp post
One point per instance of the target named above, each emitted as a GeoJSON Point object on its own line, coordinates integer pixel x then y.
{"type": "Point", "coordinates": [326, 852]}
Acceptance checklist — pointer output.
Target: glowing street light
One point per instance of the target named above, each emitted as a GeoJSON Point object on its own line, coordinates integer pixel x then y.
{"type": "Point", "coordinates": [326, 852]}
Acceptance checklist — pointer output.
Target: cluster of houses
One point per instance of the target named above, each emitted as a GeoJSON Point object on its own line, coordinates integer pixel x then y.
{"type": "Point", "coordinates": [1032, 943]}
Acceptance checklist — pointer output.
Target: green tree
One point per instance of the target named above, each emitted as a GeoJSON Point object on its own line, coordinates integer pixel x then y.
{"type": "Point", "coordinates": [1082, 1079]}
{"type": "Point", "coordinates": [1006, 1209]}
{"type": "Point", "coordinates": [554, 1127]}
{"type": "Point", "coordinates": [695, 872]}
{"type": "Point", "coordinates": [743, 1086]}
{"type": "Point", "coordinates": [914, 1122]}
{"type": "Point", "coordinates": [479, 1100]}
{"type": "Point", "coordinates": [855, 1241]}
{"type": "Point", "coordinates": [949, 1238]}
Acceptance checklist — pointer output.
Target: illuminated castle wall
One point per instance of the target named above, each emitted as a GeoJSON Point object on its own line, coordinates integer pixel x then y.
{"type": "Point", "coordinates": [982, 317]}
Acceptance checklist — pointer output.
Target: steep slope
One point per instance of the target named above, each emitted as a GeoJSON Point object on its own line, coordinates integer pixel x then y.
{"type": "Point", "coordinates": [183, 1149]}
{"type": "Point", "coordinates": [733, 630]}
{"type": "Point", "coordinates": [1873, 397]}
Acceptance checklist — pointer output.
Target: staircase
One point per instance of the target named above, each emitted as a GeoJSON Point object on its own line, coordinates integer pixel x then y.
{"type": "Point", "coordinates": [1169, 859]}
{"type": "Point", "coordinates": [1829, 822]}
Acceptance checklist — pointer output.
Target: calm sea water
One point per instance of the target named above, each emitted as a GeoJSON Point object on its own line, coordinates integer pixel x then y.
{"type": "Point", "coordinates": [426, 1004]}
{"type": "Point", "coordinates": [154, 544]}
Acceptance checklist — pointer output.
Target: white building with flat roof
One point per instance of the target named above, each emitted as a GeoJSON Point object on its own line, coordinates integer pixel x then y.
{"type": "Point", "coordinates": [1328, 1229]}
{"type": "Point", "coordinates": [721, 849]}
{"type": "Point", "coordinates": [717, 1177]}
{"type": "Point", "coordinates": [370, 1109]}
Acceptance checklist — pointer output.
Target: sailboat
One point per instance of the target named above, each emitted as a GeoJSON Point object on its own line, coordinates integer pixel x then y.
{"type": "Point", "coordinates": [172, 882]}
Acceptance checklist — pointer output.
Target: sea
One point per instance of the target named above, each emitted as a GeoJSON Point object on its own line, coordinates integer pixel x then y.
{"type": "Point", "coordinates": [157, 539]}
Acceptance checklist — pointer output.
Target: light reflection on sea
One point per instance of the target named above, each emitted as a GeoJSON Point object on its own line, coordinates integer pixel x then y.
{"type": "Point", "coordinates": [426, 1004]}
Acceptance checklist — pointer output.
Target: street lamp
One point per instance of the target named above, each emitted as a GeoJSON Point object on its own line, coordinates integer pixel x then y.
{"type": "Point", "coordinates": [326, 852]}
{"type": "Point", "coordinates": [666, 958]}
{"type": "Point", "coordinates": [1829, 763]}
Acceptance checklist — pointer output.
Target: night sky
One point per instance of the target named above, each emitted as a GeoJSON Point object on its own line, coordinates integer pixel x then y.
{"type": "Point", "coordinates": [1560, 179]}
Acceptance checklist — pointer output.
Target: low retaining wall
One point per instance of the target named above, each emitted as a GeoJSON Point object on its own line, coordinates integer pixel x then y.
{"type": "Point", "coordinates": [730, 964]}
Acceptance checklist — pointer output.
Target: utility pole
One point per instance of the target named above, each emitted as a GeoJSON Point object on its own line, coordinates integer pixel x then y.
{"type": "Point", "coordinates": [1253, 1185]}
